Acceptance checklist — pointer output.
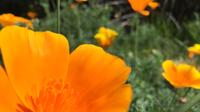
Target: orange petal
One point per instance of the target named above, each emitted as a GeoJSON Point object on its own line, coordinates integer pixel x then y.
{"type": "Point", "coordinates": [9, 100]}
{"type": "Point", "coordinates": [117, 101]}
{"type": "Point", "coordinates": [170, 72]}
{"type": "Point", "coordinates": [31, 58]}
{"type": "Point", "coordinates": [138, 4]}
{"type": "Point", "coordinates": [196, 84]}
{"type": "Point", "coordinates": [169, 67]}
{"type": "Point", "coordinates": [187, 74]}
{"type": "Point", "coordinates": [173, 82]}
{"type": "Point", "coordinates": [145, 13]}
{"type": "Point", "coordinates": [153, 5]}
{"type": "Point", "coordinates": [94, 73]}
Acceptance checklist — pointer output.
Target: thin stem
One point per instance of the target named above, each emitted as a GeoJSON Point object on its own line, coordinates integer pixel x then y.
{"type": "Point", "coordinates": [173, 99]}
{"type": "Point", "coordinates": [136, 47]}
{"type": "Point", "coordinates": [188, 105]}
{"type": "Point", "coordinates": [186, 92]}
{"type": "Point", "coordinates": [135, 52]}
{"type": "Point", "coordinates": [58, 16]}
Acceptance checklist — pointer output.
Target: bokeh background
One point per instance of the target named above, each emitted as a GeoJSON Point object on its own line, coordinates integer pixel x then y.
{"type": "Point", "coordinates": [143, 42]}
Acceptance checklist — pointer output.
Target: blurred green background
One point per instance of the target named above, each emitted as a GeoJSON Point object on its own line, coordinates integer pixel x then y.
{"type": "Point", "coordinates": [143, 42]}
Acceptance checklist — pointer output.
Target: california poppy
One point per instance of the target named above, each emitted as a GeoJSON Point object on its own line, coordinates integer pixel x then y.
{"type": "Point", "coordinates": [32, 14]}
{"type": "Point", "coordinates": [41, 76]}
{"type": "Point", "coordinates": [105, 36]}
{"type": "Point", "coordinates": [10, 19]}
{"type": "Point", "coordinates": [182, 75]}
{"type": "Point", "coordinates": [141, 5]}
{"type": "Point", "coordinates": [194, 50]}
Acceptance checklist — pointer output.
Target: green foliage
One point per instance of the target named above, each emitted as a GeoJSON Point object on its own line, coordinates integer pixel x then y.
{"type": "Point", "coordinates": [193, 28]}
{"type": "Point", "coordinates": [79, 24]}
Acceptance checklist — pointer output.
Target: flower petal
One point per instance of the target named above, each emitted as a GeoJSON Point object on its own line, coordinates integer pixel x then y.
{"type": "Point", "coordinates": [169, 67]}
{"type": "Point", "coordinates": [195, 84]}
{"type": "Point", "coordinates": [117, 101]}
{"type": "Point", "coordinates": [9, 100]}
{"type": "Point", "coordinates": [153, 5]}
{"type": "Point", "coordinates": [33, 57]}
{"type": "Point", "coordinates": [144, 12]}
{"type": "Point", "coordinates": [169, 72]}
{"type": "Point", "coordinates": [94, 73]}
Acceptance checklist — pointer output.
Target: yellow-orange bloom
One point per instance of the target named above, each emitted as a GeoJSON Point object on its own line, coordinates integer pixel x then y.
{"type": "Point", "coordinates": [10, 19]}
{"type": "Point", "coordinates": [32, 14]}
{"type": "Point", "coordinates": [182, 75]}
{"type": "Point", "coordinates": [105, 36]}
{"type": "Point", "coordinates": [41, 75]}
{"type": "Point", "coordinates": [141, 5]}
{"type": "Point", "coordinates": [194, 50]}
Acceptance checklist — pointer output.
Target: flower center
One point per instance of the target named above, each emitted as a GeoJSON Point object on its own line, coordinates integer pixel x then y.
{"type": "Point", "coordinates": [55, 96]}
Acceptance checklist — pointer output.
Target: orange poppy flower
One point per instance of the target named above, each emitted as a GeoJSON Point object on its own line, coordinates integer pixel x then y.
{"type": "Point", "coordinates": [182, 75]}
{"type": "Point", "coordinates": [10, 19]}
{"type": "Point", "coordinates": [140, 6]}
{"type": "Point", "coordinates": [194, 50]}
{"type": "Point", "coordinates": [41, 75]}
{"type": "Point", "coordinates": [105, 36]}
{"type": "Point", "coordinates": [32, 14]}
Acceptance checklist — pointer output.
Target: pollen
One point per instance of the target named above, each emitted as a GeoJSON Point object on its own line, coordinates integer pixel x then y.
{"type": "Point", "coordinates": [55, 96]}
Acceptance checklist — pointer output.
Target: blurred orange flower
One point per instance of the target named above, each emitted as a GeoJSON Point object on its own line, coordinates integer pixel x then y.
{"type": "Point", "coordinates": [41, 75]}
{"type": "Point", "coordinates": [10, 19]}
{"type": "Point", "coordinates": [32, 14]}
{"type": "Point", "coordinates": [81, 1]}
{"type": "Point", "coordinates": [73, 5]}
{"type": "Point", "coordinates": [194, 50]}
{"type": "Point", "coordinates": [140, 6]}
{"type": "Point", "coordinates": [182, 75]}
{"type": "Point", "coordinates": [105, 36]}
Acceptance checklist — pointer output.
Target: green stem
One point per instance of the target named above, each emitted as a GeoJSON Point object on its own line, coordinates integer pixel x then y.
{"type": "Point", "coordinates": [135, 52]}
{"type": "Point", "coordinates": [188, 105]}
{"type": "Point", "coordinates": [136, 47]}
{"type": "Point", "coordinates": [173, 98]}
{"type": "Point", "coordinates": [186, 92]}
{"type": "Point", "coordinates": [58, 16]}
